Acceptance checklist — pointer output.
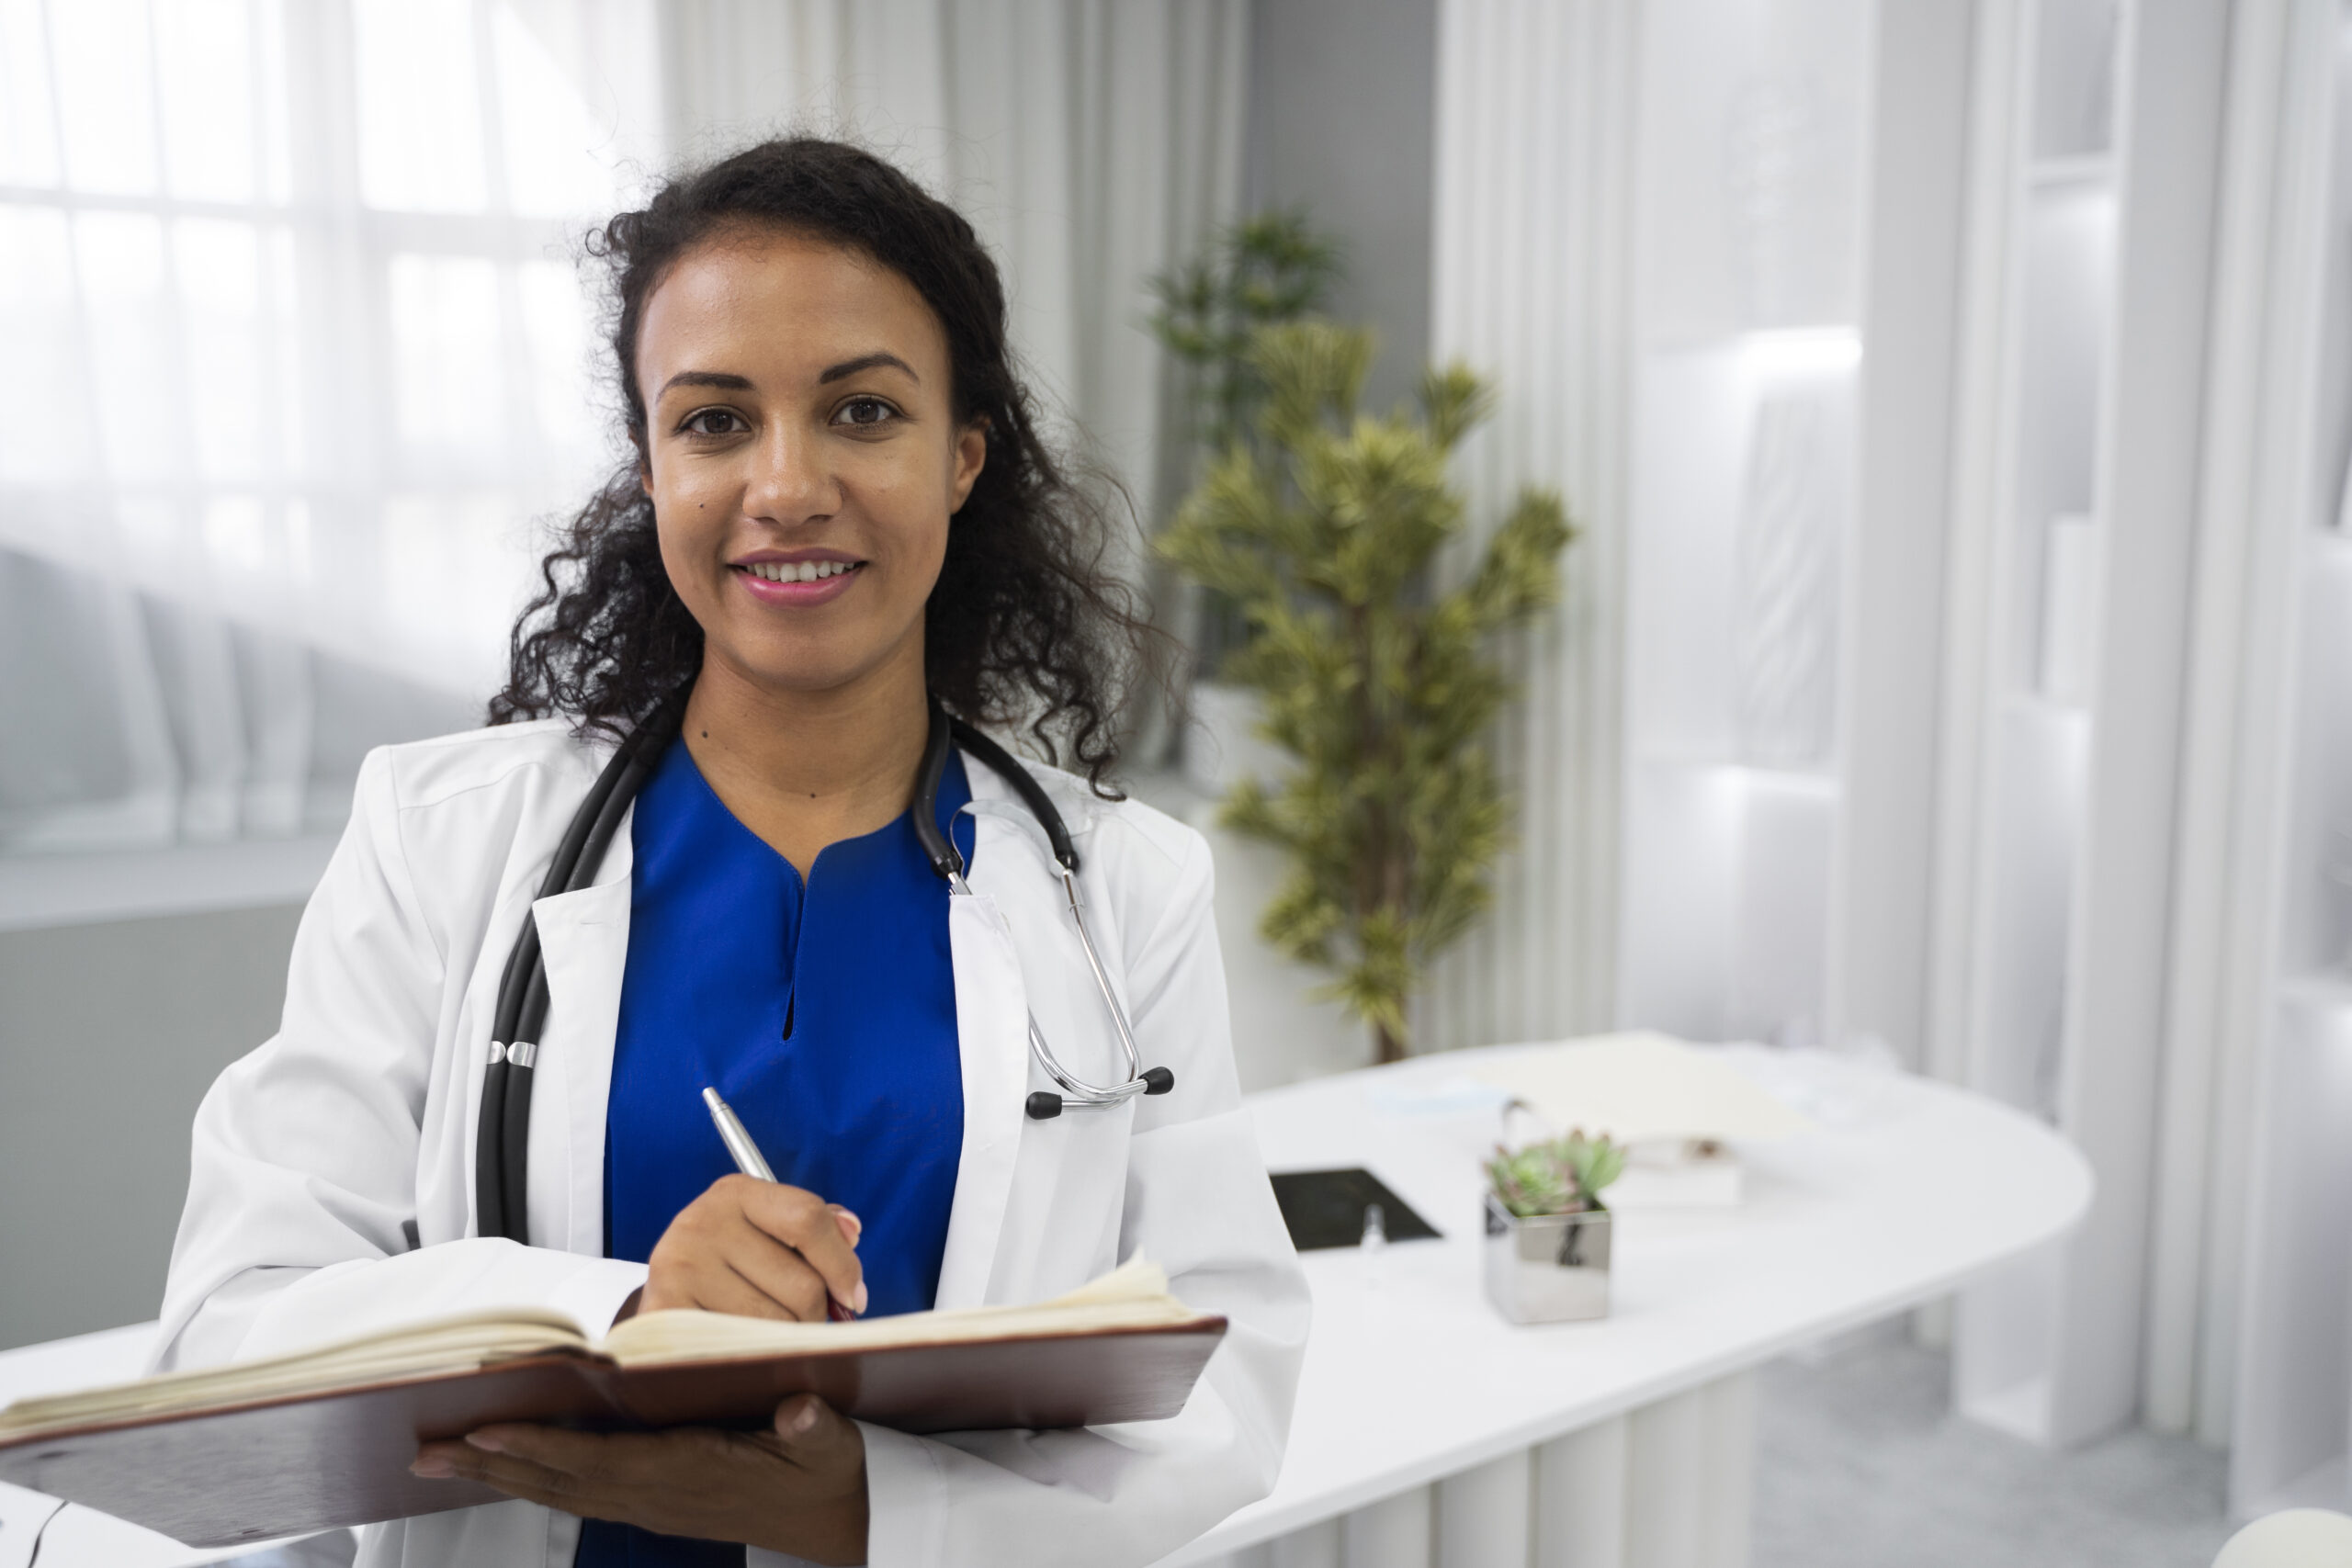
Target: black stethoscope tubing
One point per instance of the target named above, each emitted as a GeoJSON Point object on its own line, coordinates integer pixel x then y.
{"type": "Point", "coordinates": [503, 1133]}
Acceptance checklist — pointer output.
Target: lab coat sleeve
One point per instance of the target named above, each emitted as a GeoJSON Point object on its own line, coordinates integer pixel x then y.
{"type": "Point", "coordinates": [1198, 1202]}
{"type": "Point", "coordinates": [300, 1222]}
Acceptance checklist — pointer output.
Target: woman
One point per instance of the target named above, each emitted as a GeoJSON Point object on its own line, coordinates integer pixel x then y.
{"type": "Point", "coordinates": [839, 514]}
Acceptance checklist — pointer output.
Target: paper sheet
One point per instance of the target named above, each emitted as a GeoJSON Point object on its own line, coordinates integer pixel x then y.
{"type": "Point", "coordinates": [1639, 1087]}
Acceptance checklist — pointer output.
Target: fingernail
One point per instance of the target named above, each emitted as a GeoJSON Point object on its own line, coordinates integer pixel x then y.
{"type": "Point", "coordinates": [805, 1419]}
{"type": "Point", "coordinates": [857, 1303]}
{"type": "Point", "coordinates": [486, 1442]}
{"type": "Point", "coordinates": [433, 1467]}
{"type": "Point", "coordinates": [852, 1227]}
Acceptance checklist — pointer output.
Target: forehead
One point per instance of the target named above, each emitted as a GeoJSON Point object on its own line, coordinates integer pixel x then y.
{"type": "Point", "coordinates": [783, 300]}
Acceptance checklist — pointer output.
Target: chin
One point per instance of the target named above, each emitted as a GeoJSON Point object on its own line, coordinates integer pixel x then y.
{"type": "Point", "coordinates": [803, 671]}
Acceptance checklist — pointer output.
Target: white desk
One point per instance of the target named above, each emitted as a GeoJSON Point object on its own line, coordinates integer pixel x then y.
{"type": "Point", "coordinates": [1431, 1430]}
{"type": "Point", "coordinates": [1428, 1428]}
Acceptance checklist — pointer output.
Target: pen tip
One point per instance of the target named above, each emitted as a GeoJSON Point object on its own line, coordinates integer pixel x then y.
{"type": "Point", "coordinates": [710, 1098]}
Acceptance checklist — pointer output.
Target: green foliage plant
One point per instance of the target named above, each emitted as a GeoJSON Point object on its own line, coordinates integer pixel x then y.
{"type": "Point", "coordinates": [1266, 269]}
{"type": "Point", "coordinates": [1379, 686]}
{"type": "Point", "coordinates": [1560, 1175]}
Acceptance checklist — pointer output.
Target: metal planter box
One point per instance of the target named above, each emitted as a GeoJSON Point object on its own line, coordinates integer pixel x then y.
{"type": "Point", "coordinates": [1551, 1268]}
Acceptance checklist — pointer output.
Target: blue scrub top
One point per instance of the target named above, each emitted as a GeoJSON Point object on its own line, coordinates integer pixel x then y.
{"type": "Point", "coordinates": [823, 1013]}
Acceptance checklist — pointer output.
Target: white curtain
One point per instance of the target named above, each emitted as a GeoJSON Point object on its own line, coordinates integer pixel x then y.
{"type": "Point", "coordinates": [290, 324]}
{"type": "Point", "coordinates": [291, 354]}
{"type": "Point", "coordinates": [295, 358]}
{"type": "Point", "coordinates": [1532, 285]}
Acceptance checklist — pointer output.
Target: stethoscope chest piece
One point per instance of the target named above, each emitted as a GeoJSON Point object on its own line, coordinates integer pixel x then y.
{"type": "Point", "coordinates": [1075, 1093]}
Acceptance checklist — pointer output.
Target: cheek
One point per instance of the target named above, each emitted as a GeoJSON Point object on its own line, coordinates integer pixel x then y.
{"type": "Point", "coordinates": [916, 519]}
{"type": "Point", "coordinates": [689, 527]}
{"type": "Point", "coordinates": [684, 492]}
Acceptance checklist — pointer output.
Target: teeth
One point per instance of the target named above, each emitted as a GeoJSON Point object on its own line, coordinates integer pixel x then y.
{"type": "Point", "coordinates": [799, 571]}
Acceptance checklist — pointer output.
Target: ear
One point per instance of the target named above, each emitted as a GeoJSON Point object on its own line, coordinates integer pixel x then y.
{"type": "Point", "coordinates": [971, 456]}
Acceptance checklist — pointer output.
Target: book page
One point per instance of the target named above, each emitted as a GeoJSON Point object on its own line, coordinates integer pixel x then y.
{"type": "Point", "coordinates": [1132, 1296]}
{"type": "Point", "coordinates": [460, 1343]}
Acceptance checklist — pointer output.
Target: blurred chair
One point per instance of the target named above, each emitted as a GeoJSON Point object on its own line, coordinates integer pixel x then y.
{"type": "Point", "coordinates": [2293, 1538]}
{"type": "Point", "coordinates": [135, 722]}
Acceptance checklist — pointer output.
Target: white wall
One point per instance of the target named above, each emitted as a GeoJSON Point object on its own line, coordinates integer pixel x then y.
{"type": "Point", "coordinates": [109, 1036]}
{"type": "Point", "coordinates": [1342, 101]}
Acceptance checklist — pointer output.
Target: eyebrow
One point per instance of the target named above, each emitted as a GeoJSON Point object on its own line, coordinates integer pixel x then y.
{"type": "Point", "coordinates": [868, 361]}
{"type": "Point", "coordinates": [706, 379]}
{"type": "Point", "coordinates": [831, 373]}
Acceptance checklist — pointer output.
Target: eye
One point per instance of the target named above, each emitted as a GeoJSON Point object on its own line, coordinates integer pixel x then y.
{"type": "Point", "coordinates": [713, 422]}
{"type": "Point", "coordinates": [865, 412]}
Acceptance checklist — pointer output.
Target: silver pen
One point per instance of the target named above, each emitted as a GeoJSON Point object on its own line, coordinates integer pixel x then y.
{"type": "Point", "coordinates": [754, 1164]}
{"type": "Point", "coordinates": [748, 1158]}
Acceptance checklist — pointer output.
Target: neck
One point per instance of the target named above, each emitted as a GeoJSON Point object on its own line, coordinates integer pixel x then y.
{"type": "Point", "coordinates": [805, 769]}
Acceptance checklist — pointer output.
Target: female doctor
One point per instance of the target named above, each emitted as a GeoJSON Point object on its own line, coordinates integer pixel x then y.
{"type": "Point", "coordinates": [839, 522]}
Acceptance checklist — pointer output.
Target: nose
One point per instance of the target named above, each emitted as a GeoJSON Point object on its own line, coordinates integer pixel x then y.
{"type": "Point", "coordinates": [791, 483]}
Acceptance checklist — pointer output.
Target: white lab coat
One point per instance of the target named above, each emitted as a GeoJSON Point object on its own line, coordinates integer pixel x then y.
{"type": "Point", "coordinates": [333, 1174]}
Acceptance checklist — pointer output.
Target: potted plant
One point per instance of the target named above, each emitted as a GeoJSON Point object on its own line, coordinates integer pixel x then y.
{"type": "Point", "coordinates": [1548, 1230]}
{"type": "Point", "coordinates": [1378, 681]}
{"type": "Point", "coordinates": [1267, 269]}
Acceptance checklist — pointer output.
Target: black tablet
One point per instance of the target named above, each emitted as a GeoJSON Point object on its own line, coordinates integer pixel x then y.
{"type": "Point", "coordinates": [1325, 1208]}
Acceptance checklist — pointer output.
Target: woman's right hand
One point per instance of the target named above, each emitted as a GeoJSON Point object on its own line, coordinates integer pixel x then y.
{"type": "Point", "coordinates": [756, 1250]}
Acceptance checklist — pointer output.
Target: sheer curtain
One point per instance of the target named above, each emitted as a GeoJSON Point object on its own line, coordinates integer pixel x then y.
{"type": "Point", "coordinates": [291, 351]}
{"type": "Point", "coordinates": [295, 358]}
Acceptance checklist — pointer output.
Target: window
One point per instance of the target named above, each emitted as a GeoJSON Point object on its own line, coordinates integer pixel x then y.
{"type": "Point", "coordinates": [289, 328]}
{"type": "Point", "coordinates": [293, 354]}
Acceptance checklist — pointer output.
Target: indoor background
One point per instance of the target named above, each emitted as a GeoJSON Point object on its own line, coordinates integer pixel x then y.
{"type": "Point", "coordinates": [1953, 668]}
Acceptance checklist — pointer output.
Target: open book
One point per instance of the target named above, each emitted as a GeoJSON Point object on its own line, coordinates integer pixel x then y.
{"type": "Point", "coordinates": [324, 1437]}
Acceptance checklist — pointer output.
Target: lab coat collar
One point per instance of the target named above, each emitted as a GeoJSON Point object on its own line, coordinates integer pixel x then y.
{"type": "Point", "coordinates": [992, 798]}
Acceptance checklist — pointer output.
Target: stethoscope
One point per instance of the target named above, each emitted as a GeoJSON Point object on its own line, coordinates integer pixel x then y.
{"type": "Point", "coordinates": [501, 1145]}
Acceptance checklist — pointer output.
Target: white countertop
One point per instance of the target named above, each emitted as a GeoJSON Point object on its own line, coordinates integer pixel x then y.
{"type": "Point", "coordinates": [1908, 1188]}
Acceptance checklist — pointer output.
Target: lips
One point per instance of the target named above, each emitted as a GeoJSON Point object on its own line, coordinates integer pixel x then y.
{"type": "Point", "coordinates": [798, 583]}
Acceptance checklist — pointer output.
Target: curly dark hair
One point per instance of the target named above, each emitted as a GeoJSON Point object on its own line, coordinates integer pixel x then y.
{"type": "Point", "coordinates": [1038, 633]}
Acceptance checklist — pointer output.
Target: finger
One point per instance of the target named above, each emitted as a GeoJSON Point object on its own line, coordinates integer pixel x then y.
{"type": "Point", "coordinates": [783, 1272]}
{"type": "Point", "coordinates": [813, 1432]}
{"type": "Point", "coordinates": [508, 1472]}
{"type": "Point", "coordinates": [813, 1229]}
{"type": "Point", "coordinates": [709, 1281]}
{"type": "Point", "coordinates": [536, 1484]}
{"type": "Point", "coordinates": [852, 1227]}
{"type": "Point", "coordinates": [556, 1448]}
{"type": "Point", "coordinates": [805, 1223]}
{"type": "Point", "coordinates": [798, 1297]}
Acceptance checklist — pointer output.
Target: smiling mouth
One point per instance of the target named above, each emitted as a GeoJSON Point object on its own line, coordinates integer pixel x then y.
{"type": "Point", "coordinates": [800, 571]}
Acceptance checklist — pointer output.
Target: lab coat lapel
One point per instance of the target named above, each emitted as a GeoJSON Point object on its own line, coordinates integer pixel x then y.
{"type": "Point", "coordinates": [584, 936]}
{"type": "Point", "coordinates": [991, 1013]}
{"type": "Point", "coordinates": [1005, 1165]}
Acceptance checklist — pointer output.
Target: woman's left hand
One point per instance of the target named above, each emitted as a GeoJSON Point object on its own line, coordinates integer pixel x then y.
{"type": "Point", "coordinates": [798, 1487]}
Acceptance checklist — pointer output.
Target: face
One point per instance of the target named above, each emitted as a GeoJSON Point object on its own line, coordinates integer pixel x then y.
{"type": "Point", "coordinates": [803, 457]}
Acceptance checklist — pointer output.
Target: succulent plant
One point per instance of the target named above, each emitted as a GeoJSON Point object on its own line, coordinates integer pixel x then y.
{"type": "Point", "coordinates": [1561, 1176]}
